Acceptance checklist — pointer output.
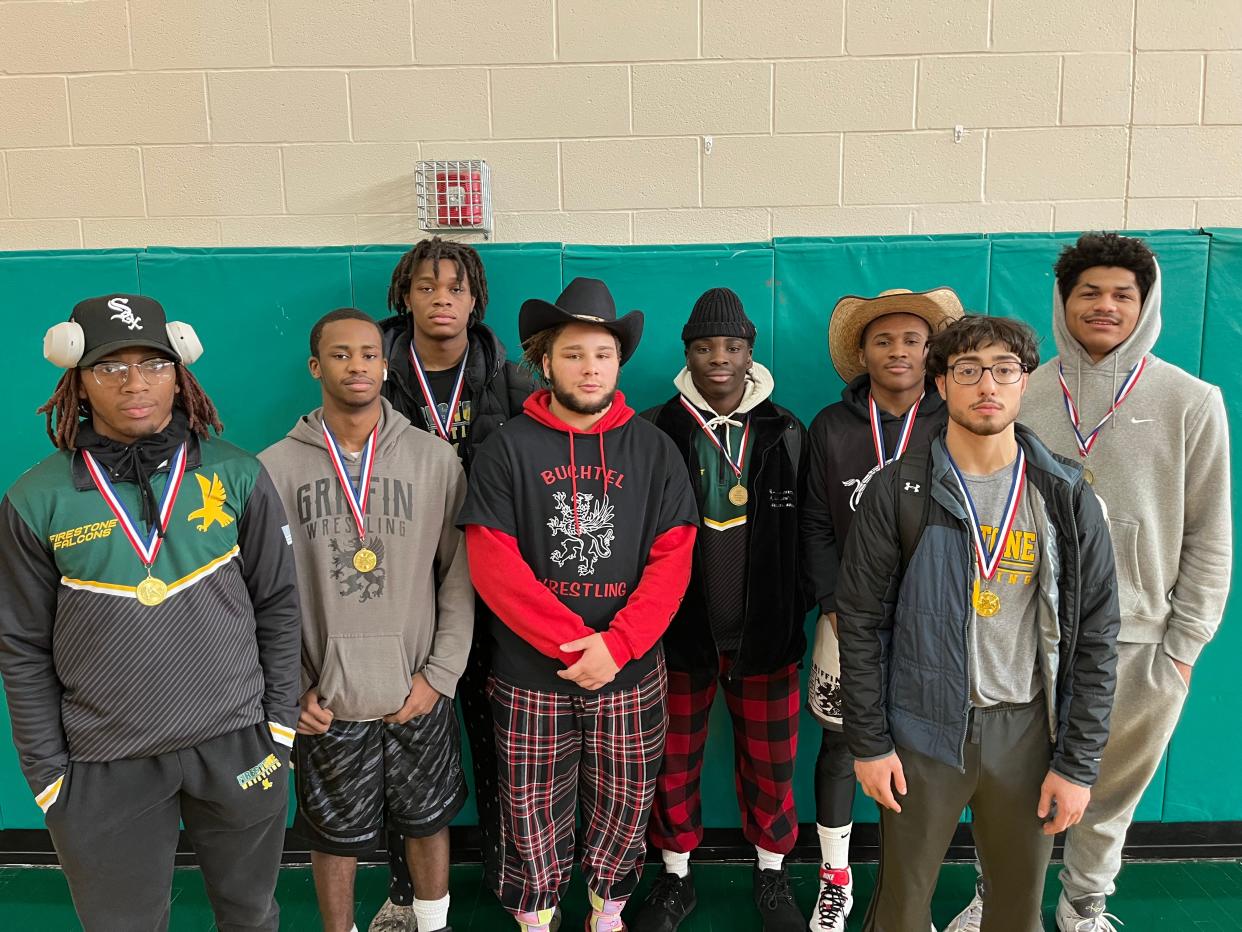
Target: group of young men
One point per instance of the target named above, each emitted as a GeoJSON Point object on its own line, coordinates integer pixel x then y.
{"type": "Point", "coordinates": [1009, 612]}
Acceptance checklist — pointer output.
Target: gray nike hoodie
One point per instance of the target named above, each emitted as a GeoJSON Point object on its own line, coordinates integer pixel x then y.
{"type": "Point", "coordinates": [1161, 467]}
{"type": "Point", "coordinates": [365, 634]}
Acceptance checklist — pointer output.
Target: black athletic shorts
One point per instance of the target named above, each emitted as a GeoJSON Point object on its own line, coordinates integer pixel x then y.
{"type": "Point", "coordinates": [362, 778]}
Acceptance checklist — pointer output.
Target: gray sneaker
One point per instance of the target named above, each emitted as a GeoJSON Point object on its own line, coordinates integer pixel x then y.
{"type": "Point", "coordinates": [1085, 914]}
{"type": "Point", "coordinates": [969, 919]}
{"type": "Point", "coordinates": [394, 918]}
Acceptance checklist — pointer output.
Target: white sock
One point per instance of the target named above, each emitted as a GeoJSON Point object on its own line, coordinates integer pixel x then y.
{"type": "Point", "coordinates": [834, 845]}
{"type": "Point", "coordinates": [431, 915]}
{"type": "Point", "coordinates": [676, 863]}
{"type": "Point", "coordinates": [769, 860]}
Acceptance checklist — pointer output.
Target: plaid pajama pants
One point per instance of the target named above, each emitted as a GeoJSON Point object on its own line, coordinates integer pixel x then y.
{"type": "Point", "coordinates": [557, 751]}
{"type": "Point", "coordinates": [764, 708]}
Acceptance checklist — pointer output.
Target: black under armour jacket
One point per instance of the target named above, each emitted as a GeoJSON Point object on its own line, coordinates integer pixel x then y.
{"type": "Point", "coordinates": [905, 634]}
{"type": "Point", "coordinates": [842, 462]}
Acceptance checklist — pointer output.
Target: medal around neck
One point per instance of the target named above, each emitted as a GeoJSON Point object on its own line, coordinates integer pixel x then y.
{"type": "Point", "coordinates": [738, 495]}
{"type": "Point", "coordinates": [987, 603]}
{"type": "Point", "coordinates": [150, 591]}
{"type": "Point", "coordinates": [364, 560]}
{"type": "Point", "coordinates": [364, 557]}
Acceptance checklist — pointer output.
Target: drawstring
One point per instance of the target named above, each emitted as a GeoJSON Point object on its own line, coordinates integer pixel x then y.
{"type": "Point", "coordinates": [1113, 393]}
{"type": "Point", "coordinates": [573, 475]}
{"type": "Point", "coordinates": [728, 422]}
{"type": "Point", "coordinates": [573, 479]}
{"type": "Point", "coordinates": [603, 463]}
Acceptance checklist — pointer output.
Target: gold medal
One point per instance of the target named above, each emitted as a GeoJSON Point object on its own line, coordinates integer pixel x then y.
{"type": "Point", "coordinates": [151, 591]}
{"type": "Point", "coordinates": [1088, 475]}
{"type": "Point", "coordinates": [364, 560]}
{"type": "Point", "coordinates": [738, 495]}
{"type": "Point", "coordinates": [987, 603]}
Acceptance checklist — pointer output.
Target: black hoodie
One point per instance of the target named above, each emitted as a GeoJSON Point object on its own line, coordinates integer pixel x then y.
{"type": "Point", "coordinates": [842, 462]}
{"type": "Point", "coordinates": [494, 387]}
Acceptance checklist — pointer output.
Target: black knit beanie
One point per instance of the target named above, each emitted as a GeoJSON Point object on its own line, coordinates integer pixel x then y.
{"type": "Point", "coordinates": [718, 313]}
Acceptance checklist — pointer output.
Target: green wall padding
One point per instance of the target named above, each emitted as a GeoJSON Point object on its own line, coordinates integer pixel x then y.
{"type": "Point", "coordinates": [1205, 756]}
{"type": "Point", "coordinates": [254, 308]}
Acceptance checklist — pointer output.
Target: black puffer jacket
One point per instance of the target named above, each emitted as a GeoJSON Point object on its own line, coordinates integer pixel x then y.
{"type": "Point", "coordinates": [495, 387]}
{"type": "Point", "coordinates": [904, 636]}
{"type": "Point", "coordinates": [773, 635]}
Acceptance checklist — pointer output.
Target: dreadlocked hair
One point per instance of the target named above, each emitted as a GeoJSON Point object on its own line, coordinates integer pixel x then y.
{"type": "Point", "coordinates": [465, 260]}
{"type": "Point", "coordinates": [67, 406]}
{"type": "Point", "coordinates": [537, 346]}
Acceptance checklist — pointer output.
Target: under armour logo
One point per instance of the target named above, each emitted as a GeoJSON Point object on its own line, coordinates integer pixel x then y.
{"type": "Point", "coordinates": [911, 487]}
{"type": "Point", "coordinates": [124, 313]}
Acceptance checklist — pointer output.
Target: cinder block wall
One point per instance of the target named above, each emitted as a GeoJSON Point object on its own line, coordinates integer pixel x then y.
{"type": "Point", "coordinates": [204, 122]}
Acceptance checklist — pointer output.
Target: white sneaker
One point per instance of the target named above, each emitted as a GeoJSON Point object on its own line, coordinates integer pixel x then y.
{"type": "Point", "coordinates": [835, 900]}
{"type": "Point", "coordinates": [1085, 914]}
{"type": "Point", "coordinates": [969, 919]}
{"type": "Point", "coordinates": [394, 918]}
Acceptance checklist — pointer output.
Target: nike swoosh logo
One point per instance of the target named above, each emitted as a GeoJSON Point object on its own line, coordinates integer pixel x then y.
{"type": "Point", "coordinates": [1141, 420]}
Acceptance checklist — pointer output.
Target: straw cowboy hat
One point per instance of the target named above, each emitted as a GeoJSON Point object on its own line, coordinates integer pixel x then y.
{"type": "Point", "coordinates": [853, 313]}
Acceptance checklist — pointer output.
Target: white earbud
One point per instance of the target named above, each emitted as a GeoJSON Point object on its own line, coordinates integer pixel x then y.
{"type": "Point", "coordinates": [385, 375]}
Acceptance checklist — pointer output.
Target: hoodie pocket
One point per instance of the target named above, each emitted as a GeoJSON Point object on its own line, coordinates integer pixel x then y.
{"type": "Point", "coordinates": [1125, 551]}
{"type": "Point", "coordinates": [364, 677]}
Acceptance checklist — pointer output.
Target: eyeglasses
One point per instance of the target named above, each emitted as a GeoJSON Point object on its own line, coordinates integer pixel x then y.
{"type": "Point", "coordinates": [1003, 373]}
{"type": "Point", "coordinates": [115, 374]}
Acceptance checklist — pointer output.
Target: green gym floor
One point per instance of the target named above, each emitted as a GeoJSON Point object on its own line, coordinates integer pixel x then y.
{"type": "Point", "coordinates": [1169, 896]}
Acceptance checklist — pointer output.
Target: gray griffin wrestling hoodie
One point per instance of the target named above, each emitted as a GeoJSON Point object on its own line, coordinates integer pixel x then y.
{"type": "Point", "coordinates": [1161, 467]}
{"type": "Point", "coordinates": [365, 634]}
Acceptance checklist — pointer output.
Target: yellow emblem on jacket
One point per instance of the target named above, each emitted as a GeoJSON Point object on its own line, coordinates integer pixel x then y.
{"type": "Point", "coordinates": [214, 498]}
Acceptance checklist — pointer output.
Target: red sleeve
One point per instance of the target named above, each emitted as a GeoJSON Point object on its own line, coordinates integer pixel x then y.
{"type": "Point", "coordinates": [510, 589]}
{"type": "Point", "coordinates": [656, 598]}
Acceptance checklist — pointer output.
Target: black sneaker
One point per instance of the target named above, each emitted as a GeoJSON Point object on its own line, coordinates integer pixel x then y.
{"type": "Point", "coordinates": [776, 903]}
{"type": "Point", "coordinates": [670, 901]}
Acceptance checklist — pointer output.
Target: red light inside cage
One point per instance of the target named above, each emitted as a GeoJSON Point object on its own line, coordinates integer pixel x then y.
{"type": "Point", "coordinates": [459, 198]}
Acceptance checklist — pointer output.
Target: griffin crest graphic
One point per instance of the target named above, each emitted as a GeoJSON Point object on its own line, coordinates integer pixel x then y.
{"type": "Point", "coordinates": [589, 538]}
{"type": "Point", "coordinates": [349, 580]}
{"type": "Point", "coordinates": [214, 498]}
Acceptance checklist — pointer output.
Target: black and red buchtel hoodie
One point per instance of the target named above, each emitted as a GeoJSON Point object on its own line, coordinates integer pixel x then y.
{"type": "Point", "coordinates": [572, 532]}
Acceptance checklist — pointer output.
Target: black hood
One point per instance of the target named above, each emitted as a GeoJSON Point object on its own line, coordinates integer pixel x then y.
{"type": "Point", "coordinates": [855, 395]}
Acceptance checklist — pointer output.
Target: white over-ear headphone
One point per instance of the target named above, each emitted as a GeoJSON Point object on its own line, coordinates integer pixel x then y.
{"type": "Point", "coordinates": [64, 344]}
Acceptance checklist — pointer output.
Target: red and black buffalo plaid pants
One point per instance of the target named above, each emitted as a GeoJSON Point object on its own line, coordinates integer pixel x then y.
{"type": "Point", "coordinates": [557, 751]}
{"type": "Point", "coordinates": [764, 708]}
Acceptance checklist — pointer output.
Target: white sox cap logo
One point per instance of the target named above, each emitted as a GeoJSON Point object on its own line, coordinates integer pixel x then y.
{"type": "Point", "coordinates": [124, 313]}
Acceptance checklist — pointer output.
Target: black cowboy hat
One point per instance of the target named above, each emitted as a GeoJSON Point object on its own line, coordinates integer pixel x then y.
{"type": "Point", "coordinates": [587, 301]}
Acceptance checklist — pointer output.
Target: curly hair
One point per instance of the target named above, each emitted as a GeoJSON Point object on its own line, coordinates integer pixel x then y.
{"type": "Point", "coordinates": [1105, 249]}
{"type": "Point", "coordinates": [67, 406]}
{"type": "Point", "coordinates": [465, 260]}
{"type": "Point", "coordinates": [974, 331]}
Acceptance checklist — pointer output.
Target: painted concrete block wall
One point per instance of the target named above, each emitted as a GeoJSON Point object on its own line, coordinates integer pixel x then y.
{"type": "Point", "coordinates": [264, 122]}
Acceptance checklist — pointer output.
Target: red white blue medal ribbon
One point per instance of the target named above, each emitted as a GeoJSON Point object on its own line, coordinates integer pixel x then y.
{"type": "Point", "coordinates": [443, 427]}
{"type": "Point", "coordinates": [357, 498]}
{"type": "Point", "coordinates": [1086, 443]}
{"type": "Point", "coordinates": [989, 559]}
{"type": "Point", "coordinates": [149, 547]}
{"type": "Point", "coordinates": [903, 438]}
{"type": "Point", "coordinates": [736, 466]}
